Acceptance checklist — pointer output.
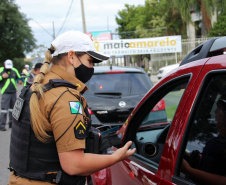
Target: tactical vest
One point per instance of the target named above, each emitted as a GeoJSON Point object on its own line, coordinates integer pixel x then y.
{"type": "Point", "coordinates": [29, 157]}
{"type": "Point", "coordinates": [33, 159]}
{"type": "Point", "coordinates": [8, 85]}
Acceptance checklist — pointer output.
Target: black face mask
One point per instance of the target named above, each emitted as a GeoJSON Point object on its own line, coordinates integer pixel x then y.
{"type": "Point", "coordinates": [84, 73]}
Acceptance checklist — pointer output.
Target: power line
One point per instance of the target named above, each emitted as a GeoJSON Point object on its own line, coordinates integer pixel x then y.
{"type": "Point", "coordinates": [66, 17]}
{"type": "Point", "coordinates": [41, 27]}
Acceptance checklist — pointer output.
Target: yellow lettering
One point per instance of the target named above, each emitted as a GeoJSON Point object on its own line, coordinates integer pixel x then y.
{"type": "Point", "coordinates": [173, 42]}
{"type": "Point", "coordinates": [141, 44]}
{"type": "Point", "coordinates": [162, 43]}
{"type": "Point", "coordinates": [132, 45]}
{"type": "Point", "coordinates": [167, 40]}
{"type": "Point", "coordinates": [156, 42]}
{"type": "Point", "coordinates": [150, 44]}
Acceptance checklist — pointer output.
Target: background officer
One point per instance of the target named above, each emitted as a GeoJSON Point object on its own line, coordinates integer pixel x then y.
{"type": "Point", "coordinates": [8, 77]}
{"type": "Point", "coordinates": [30, 77]}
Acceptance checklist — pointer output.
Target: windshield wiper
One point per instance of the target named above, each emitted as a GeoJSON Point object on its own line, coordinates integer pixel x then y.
{"type": "Point", "coordinates": [108, 94]}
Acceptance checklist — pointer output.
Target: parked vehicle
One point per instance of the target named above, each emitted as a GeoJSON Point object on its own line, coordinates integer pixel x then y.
{"type": "Point", "coordinates": [167, 151]}
{"type": "Point", "coordinates": [149, 71]}
{"type": "Point", "coordinates": [115, 91]}
{"type": "Point", "coordinates": [166, 69]}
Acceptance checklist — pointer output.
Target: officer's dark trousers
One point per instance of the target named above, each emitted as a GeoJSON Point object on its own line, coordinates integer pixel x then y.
{"type": "Point", "coordinates": [7, 103]}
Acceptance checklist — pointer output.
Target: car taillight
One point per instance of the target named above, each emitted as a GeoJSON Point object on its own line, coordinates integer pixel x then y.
{"type": "Point", "coordinates": [159, 106]}
{"type": "Point", "coordinates": [115, 72]}
{"type": "Point", "coordinates": [90, 112]}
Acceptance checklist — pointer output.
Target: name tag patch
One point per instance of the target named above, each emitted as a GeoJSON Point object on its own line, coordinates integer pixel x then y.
{"type": "Point", "coordinates": [17, 108]}
{"type": "Point", "coordinates": [80, 130]}
{"type": "Point", "coordinates": [75, 107]}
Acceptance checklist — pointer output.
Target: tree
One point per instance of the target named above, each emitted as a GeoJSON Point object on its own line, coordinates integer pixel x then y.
{"type": "Point", "coordinates": [128, 19]}
{"type": "Point", "coordinates": [155, 18]}
{"type": "Point", "coordinates": [39, 51]}
{"type": "Point", "coordinates": [161, 19]}
{"type": "Point", "coordinates": [16, 36]}
{"type": "Point", "coordinates": [219, 27]}
{"type": "Point", "coordinates": [205, 7]}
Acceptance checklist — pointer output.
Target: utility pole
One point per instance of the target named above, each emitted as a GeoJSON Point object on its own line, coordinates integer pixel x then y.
{"type": "Point", "coordinates": [83, 17]}
{"type": "Point", "coordinates": [107, 24]}
{"type": "Point", "coordinates": [54, 31]}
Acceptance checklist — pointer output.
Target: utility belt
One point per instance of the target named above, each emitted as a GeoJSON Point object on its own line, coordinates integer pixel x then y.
{"type": "Point", "coordinates": [95, 143]}
{"type": "Point", "coordinates": [60, 178]}
{"type": "Point", "coordinates": [51, 178]}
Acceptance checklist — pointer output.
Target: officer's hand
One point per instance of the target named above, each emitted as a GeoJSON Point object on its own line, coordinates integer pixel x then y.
{"type": "Point", "coordinates": [124, 152]}
{"type": "Point", "coordinates": [5, 75]}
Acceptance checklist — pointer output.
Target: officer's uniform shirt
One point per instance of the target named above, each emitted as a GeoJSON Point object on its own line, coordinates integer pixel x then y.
{"type": "Point", "coordinates": [61, 106]}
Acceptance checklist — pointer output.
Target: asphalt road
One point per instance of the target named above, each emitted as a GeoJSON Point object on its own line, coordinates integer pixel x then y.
{"type": "Point", "coordinates": [4, 151]}
{"type": "Point", "coordinates": [4, 156]}
{"type": "Point", "coordinates": [5, 142]}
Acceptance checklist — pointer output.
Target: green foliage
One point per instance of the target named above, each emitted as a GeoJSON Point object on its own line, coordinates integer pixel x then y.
{"type": "Point", "coordinates": [170, 111]}
{"type": "Point", "coordinates": [221, 6]}
{"type": "Point", "coordinates": [185, 6]}
{"type": "Point", "coordinates": [16, 36]}
{"type": "Point", "coordinates": [38, 51]}
{"type": "Point", "coordinates": [206, 8]}
{"type": "Point", "coordinates": [128, 19]}
{"type": "Point", "coordinates": [219, 27]}
{"type": "Point", "coordinates": [155, 18]}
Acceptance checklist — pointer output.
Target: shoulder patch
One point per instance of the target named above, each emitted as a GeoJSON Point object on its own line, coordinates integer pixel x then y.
{"type": "Point", "coordinates": [17, 108]}
{"type": "Point", "coordinates": [75, 107]}
{"type": "Point", "coordinates": [80, 130]}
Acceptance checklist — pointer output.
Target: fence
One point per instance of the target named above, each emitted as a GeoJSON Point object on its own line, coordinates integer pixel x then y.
{"type": "Point", "coordinates": [157, 61]}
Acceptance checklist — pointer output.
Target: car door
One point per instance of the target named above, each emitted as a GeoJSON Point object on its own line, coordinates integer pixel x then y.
{"type": "Point", "coordinates": [148, 138]}
{"type": "Point", "coordinates": [154, 160]}
{"type": "Point", "coordinates": [203, 146]}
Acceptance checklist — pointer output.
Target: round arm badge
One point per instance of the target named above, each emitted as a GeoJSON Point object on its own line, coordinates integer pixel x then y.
{"type": "Point", "coordinates": [80, 130]}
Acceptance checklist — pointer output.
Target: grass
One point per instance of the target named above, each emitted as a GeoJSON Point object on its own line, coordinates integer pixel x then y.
{"type": "Point", "coordinates": [170, 111]}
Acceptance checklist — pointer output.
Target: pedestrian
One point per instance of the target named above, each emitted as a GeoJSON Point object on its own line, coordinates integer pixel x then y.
{"type": "Point", "coordinates": [35, 71]}
{"type": "Point", "coordinates": [25, 71]}
{"type": "Point", "coordinates": [51, 149]}
{"type": "Point", "coordinates": [8, 77]}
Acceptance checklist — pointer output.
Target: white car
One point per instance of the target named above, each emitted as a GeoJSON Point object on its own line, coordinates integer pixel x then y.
{"type": "Point", "coordinates": [164, 70]}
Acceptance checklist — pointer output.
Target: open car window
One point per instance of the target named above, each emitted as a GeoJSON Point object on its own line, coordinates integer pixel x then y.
{"type": "Point", "coordinates": [205, 143]}
{"type": "Point", "coordinates": [155, 120]}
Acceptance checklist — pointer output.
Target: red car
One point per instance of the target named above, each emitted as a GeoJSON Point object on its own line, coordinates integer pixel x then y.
{"type": "Point", "coordinates": [189, 148]}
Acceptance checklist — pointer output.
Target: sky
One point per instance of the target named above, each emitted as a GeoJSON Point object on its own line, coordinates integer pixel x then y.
{"type": "Point", "coordinates": [43, 14]}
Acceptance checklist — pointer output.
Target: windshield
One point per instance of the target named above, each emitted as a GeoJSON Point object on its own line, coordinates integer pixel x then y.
{"type": "Point", "coordinates": [123, 84]}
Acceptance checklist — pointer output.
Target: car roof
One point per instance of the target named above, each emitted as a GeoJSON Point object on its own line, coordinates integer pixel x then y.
{"type": "Point", "coordinates": [213, 47]}
{"type": "Point", "coordinates": [103, 69]}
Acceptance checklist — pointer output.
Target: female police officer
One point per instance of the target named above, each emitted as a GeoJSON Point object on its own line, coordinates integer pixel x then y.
{"type": "Point", "coordinates": [56, 142]}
